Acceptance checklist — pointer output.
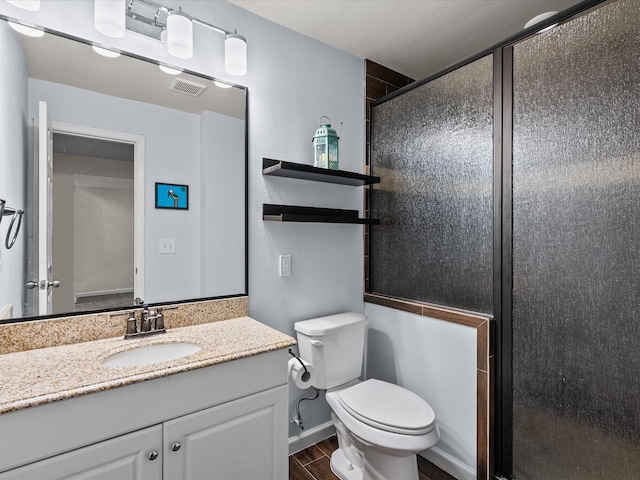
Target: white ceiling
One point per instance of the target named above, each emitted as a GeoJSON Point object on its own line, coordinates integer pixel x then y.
{"type": "Point", "coordinates": [413, 37]}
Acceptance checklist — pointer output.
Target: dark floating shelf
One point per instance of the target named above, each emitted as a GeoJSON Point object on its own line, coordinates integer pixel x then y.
{"type": "Point", "coordinates": [280, 168]}
{"type": "Point", "coordinates": [291, 213]}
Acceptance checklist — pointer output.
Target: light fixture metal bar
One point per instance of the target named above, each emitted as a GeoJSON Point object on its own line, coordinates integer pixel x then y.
{"type": "Point", "coordinates": [156, 21]}
{"type": "Point", "coordinates": [219, 30]}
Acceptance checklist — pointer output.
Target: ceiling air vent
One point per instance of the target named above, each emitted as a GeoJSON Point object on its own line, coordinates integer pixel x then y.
{"type": "Point", "coordinates": [188, 88]}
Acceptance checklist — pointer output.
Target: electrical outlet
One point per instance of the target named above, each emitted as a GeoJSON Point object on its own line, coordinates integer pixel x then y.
{"type": "Point", "coordinates": [167, 245]}
{"type": "Point", "coordinates": [285, 265]}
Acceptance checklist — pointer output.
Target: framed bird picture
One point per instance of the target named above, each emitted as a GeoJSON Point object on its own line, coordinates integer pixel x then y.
{"type": "Point", "coordinates": [172, 196]}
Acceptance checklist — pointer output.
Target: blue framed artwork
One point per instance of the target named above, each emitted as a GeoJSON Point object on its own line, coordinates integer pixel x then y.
{"type": "Point", "coordinates": [172, 196]}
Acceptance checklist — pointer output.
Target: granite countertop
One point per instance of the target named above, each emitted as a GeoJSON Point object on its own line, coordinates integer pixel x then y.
{"type": "Point", "coordinates": [45, 375]}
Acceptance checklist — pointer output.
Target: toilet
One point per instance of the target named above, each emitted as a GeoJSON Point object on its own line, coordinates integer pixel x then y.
{"type": "Point", "coordinates": [381, 427]}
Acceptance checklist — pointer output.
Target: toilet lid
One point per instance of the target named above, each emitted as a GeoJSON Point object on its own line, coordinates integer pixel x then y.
{"type": "Point", "coordinates": [388, 407]}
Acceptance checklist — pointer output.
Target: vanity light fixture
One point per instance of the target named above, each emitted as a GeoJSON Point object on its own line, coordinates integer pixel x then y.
{"type": "Point", "coordinates": [220, 84]}
{"type": "Point", "coordinates": [540, 18]}
{"type": "Point", "coordinates": [235, 54]}
{"type": "Point", "coordinates": [170, 70]}
{"type": "Point", "coordinates": [109, 17]}
{"type": "Point", "coordinates": [31, 5]}
{"type": "Point", "coordinates": [24, 30]}
{"type": "Point", "coordinates": [179, 34]}
{"type": "Point", "coordinates": [175, 27]}
{"type": "Point", "coordinates": [105, 52]}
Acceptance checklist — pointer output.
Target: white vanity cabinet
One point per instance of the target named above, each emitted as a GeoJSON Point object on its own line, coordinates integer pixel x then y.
{"type": "Point", "coordinates": [127, 457]}
{"type": "Point", "coordinates": [236, 440]}
{"type": "Point", "coordinates": [227, 421]}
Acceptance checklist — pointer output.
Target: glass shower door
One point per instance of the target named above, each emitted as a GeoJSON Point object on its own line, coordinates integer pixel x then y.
{"type": "Point", "coordinates": [576, 248]}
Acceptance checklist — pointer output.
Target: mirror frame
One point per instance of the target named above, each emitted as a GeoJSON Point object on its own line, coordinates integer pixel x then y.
{"type": "Point", "coordinates": [246, 185]}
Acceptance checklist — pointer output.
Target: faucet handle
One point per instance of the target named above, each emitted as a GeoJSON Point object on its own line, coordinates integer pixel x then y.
{"type": "Point", "coordinates": [153, 317]}
{"type": "Point", "coordinates": [131, 324]}
{"type": "Point", "coordinates": [145, 324]}
{"type": "Point", "coordinates": [160, 320]}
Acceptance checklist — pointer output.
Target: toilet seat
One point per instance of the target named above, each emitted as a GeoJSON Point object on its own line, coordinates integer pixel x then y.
{"type": "Point", "coordinates": [388, 407]}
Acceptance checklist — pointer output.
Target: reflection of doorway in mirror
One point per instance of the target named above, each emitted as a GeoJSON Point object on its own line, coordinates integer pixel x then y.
{"type": "Point", "coordinates": [96, 234]}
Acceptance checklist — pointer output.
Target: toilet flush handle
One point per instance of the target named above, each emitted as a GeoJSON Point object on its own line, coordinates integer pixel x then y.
{"type": "Point", "coordinates": [316, 343]}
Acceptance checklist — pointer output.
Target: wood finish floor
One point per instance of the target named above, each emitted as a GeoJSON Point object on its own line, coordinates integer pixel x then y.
{"type": "Point", "coordinates": [313, 463]}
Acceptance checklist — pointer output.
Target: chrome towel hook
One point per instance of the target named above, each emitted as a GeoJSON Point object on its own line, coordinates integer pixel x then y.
{"type": "Point", "coordinates": [15, 215]}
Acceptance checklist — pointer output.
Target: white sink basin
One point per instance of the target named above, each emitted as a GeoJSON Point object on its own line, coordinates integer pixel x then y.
{"type": "Point", "coordinates": [162, 352]}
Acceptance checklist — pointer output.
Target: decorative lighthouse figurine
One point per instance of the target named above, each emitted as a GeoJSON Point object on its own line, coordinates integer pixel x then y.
{"type": "Point", "coordinates": [325, 146]}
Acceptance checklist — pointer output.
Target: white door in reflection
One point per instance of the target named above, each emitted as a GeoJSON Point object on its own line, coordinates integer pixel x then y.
{"type": "Point", "coordinates": [98, 218]}
{"type": "Point", "coordinates": [45, 282]}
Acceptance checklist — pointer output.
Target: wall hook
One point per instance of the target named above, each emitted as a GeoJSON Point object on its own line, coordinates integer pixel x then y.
{"type": "Point", "coordinates": [15, 215]}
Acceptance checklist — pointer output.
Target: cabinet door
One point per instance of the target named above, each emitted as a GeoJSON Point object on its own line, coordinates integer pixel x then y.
{"type": "Point", "coordinates": [240, 440]}
{"type": "Point", "coordinates": [123, 458]}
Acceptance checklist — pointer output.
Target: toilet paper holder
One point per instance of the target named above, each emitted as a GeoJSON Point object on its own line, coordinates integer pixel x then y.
{"type": "Point", "coordinates": [306, 374]}
{"type": "Point", "coordinates": [305, 377]}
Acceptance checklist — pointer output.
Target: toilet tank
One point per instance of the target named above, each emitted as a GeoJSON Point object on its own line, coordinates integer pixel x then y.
{"type": "Point", "coordinates": [334, 345]}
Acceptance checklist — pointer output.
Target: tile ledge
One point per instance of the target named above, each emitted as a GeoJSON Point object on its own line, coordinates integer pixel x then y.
{"type": "Point", "coordinates": [449, 314]}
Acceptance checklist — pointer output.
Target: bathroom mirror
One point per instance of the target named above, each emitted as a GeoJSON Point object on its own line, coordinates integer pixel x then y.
{"type": "Point", "coordinates": [146, 194]}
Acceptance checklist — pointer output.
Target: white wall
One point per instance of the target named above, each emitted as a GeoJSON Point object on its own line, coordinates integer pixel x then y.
{"type": "Point", "coordinates": [13, 154]}
{"type": "Point", "coordinates": [103, 232]}
{"type": "Point", "coordinates": [222, 142]}
{"type": "Point", "coordinates": [292, 82]}
{"type": "Point", "coordinates": [437, 360]}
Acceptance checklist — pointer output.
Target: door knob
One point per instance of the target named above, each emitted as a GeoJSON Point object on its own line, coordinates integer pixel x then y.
{"type": "Point", "coordinates": [175, 447]}
{"type": "Point", "coordinates": [153, 455]}
{"type": "Point", "coordinates": [43, 284]}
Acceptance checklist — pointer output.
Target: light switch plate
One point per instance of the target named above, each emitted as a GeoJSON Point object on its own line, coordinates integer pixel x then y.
{"type": "Point", "coordinates": [285, 265]}
{"type": "Point", "coordinates": [167, 245]}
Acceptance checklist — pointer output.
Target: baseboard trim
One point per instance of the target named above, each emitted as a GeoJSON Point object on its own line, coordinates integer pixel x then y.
{"type": "Point", "coordinates": [311, 437]}
{"type": "Point", "coordinates": [446, 464]}
{"type": "Point", "coordinates": [432, 471]}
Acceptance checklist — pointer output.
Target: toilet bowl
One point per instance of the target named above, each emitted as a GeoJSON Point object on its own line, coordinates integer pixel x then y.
{"type": "Point", "coordinates": [383, 426]}
{"type": "Point", "coordinates": [380, 426]}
